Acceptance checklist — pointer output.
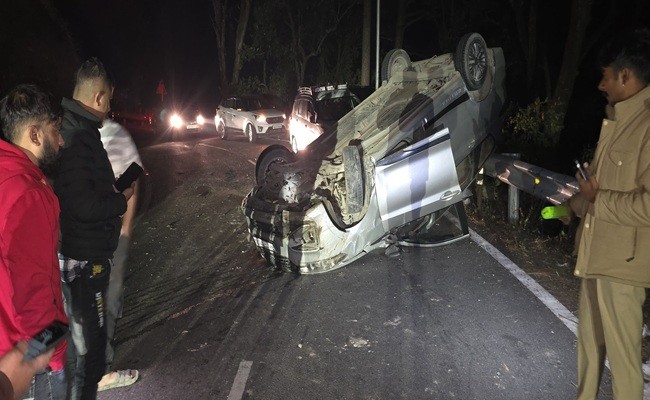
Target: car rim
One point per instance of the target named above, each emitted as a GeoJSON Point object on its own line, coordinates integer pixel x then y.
{"type": "Point", "coordinates": [294, 145]}
{"type": "Point", "coordinates": [477, 61]}
{"type": "Point", "coordinates": [249, 131]}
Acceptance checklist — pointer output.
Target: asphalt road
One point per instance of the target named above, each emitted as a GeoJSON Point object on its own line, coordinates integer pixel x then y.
{"type": "Point", "coordinates": [441, 323]}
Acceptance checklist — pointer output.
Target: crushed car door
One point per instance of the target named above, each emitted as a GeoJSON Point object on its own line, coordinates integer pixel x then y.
{"type": "Point", "coordinates": [417, 180]}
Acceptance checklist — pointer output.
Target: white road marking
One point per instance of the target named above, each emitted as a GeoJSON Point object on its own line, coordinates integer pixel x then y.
{"type": "Point", "coordinates": [566, 316]}
{"type": "Point", "coordinates": [238, 386]}
{"type": "Point", "coordinates": [563, 314]}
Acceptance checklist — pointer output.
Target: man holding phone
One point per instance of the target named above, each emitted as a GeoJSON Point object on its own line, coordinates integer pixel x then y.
{"type": "Point", "coordinates": [91, 208]}
{"type": "Point", "coordinates": [614, 204]}
{"type": "Point", "coordinates": [30, 284]}
{"type": "Point", "coordinates": [123, 154]}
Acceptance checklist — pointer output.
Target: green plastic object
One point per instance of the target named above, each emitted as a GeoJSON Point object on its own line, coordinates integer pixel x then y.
{"type": "Point", "coordinates": [553, 212]}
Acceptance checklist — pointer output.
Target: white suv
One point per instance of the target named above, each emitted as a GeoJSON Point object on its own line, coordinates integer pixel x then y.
{"type": "Point", "coordinates": [250, 116]}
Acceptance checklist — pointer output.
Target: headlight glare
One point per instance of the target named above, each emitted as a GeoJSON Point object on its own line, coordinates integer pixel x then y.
{"type": "Point", "coordinates": [175, 121]}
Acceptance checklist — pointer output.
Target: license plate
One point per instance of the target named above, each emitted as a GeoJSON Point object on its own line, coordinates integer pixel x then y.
{"type": "Point", "coordinates": [277, 126]}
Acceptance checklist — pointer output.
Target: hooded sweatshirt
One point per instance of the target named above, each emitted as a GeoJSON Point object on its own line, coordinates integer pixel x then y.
{"type": "Point", "coordinates": [30, 282]}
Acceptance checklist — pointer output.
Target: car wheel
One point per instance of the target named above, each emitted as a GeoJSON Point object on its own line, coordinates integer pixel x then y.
{"type": "Point", "coordinates": [271, 155]}
{"type": "Point", "coordinates": [221, 131]}
{"type": "Point", "coordinates": [396, 60]}
{"type": "Point", "coordinates": [250, 133]}
{"type": "Point", "coordinates": [471, 60]}
{"type": "Point", "coordinates": [294, 144]}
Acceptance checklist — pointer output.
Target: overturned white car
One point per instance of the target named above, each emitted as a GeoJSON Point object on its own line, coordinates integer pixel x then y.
{"type": "Point", "coordinates": [392, 165]}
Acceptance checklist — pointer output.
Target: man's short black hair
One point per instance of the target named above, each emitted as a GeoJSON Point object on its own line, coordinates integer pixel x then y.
{"type": "Point", "coordinates": [26, 104]}
{"type": "Point", "coordinates": [92, 69]}
{"type": "Point", "coordinates": [629, 49]}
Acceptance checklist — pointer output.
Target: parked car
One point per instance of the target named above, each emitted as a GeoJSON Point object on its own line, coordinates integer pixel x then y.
{"type": "Point", "coordinates": [318, 108]}
{"type": "Point", "coordinates": [390, 167]}
{"type": "Point", "coordinates": [251, 116]}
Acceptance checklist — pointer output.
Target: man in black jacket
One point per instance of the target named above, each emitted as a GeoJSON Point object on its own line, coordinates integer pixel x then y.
{"type": "Point", "coordinates": [90, 223]}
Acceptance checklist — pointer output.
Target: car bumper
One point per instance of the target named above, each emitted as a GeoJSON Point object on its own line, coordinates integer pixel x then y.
{"type": "Point", "coordinates": [270, 129]}
{"type": "Point", "coordinates": [306, 242]}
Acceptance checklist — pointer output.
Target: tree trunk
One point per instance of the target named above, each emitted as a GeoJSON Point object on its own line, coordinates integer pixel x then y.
{"type": "Point", "coordinates": [526, 23]}
{"type": "Point", "coordinates": [244, 14]}
{"type": "Point", "coordinates": [219, 27]}
{"type": "Point", "coordinates": [365, 43]}
{"type": "Point", "coordinates": [580, 13]}
{"type": "Point", "coordinates": [531, 61]}
{"type": "Point", "coordinates": [400, 25]}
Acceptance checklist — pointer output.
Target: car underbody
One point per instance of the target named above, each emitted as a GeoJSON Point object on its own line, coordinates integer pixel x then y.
{"type": "Point", "coordinates": [392, 165]}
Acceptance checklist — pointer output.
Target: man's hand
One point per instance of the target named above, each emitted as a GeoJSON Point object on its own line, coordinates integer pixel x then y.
{"type": "Point", "coordinates": [20, 371]}
{"type": "Point", "coordinates": [128, 192]}
{"type": "Point", "coordinates": [588, 187]}
{"type": "Point", "coordinates": [566, 220]}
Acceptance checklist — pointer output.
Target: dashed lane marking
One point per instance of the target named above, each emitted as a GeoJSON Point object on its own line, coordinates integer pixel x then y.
{"type": "Point", "coordinates": [238, 386]}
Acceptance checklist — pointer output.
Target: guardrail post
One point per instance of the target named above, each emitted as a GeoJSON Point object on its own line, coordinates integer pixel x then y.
{"type": "Point", "coordinates": [513, 196]}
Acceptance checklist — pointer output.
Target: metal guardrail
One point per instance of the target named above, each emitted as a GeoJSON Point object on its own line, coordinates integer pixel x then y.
{"type": "Point", "coordinates": [541, 183]}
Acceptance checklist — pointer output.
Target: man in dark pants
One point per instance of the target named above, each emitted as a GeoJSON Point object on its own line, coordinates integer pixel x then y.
{"type": "Point", "coordinates": [90, 223]}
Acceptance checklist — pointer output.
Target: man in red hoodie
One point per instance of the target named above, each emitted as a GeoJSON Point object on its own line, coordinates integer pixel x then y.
{"type": "Point", "coordinates": [30, 282]}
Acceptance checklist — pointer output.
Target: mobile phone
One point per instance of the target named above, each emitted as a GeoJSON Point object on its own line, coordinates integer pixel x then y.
{"type": "Point", "coordinates": [128, 177]}
{"type": "Point", "coordinates": [583, 173]}
{"type": "Point", "coordinates": [46, 339]}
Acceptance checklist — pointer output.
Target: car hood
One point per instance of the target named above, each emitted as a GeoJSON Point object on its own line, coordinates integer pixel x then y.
{"type": "Point", "coordinates": [269, 112]}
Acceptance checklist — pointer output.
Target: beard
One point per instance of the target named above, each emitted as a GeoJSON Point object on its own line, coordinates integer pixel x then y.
{"type": "Point", "coordinates": [49, 159]}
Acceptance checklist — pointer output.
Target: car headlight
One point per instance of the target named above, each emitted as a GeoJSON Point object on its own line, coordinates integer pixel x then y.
{"type": "Point", "coordinates": [260, 118]}
{"type": "Point", "coordinates": [200, 120]}
{"type": "Point", "coordinates": [175, 121]}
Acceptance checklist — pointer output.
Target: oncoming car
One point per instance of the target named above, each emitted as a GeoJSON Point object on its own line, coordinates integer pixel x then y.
{"type": "Point", "coordinates": [391, 166]}
{"type": "Point", "coordinates": [318, 108]}
{"type": "Point", "coordinates": [192, 121]}
{"type": "Point", "coordinates": [251, 116]}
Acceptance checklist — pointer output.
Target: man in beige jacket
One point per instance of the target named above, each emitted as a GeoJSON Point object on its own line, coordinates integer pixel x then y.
{"type": "Point", "coordinates": [614, 243]}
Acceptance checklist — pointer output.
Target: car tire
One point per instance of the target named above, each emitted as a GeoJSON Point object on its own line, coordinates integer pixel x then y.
{"type": "Point", "coordinates": [271, 155]}
{"type": "Point", "coordinates": [294, 144]}
{"type": "Point", "coordinates": [250, 133]}
{"type": "Point", "coordinates": [471, 60]}
{"type": "Point", "coordinates": [221, 131]}
{"type": "Point", "coordinates": [396, 60]}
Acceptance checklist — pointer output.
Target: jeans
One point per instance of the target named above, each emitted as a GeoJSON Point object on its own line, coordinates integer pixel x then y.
{"type": "Point", "coordinates": [48, 385]}
{"type": "Point", "coordinates": [115, 297]}
{"type": "Point", "coordinates": [86, 309]}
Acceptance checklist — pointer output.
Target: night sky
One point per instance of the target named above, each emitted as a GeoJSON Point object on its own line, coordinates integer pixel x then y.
{"type": "Point", "coordinates": [150, 40]}
{"type": "Point", "coordinates": [145, 41]}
